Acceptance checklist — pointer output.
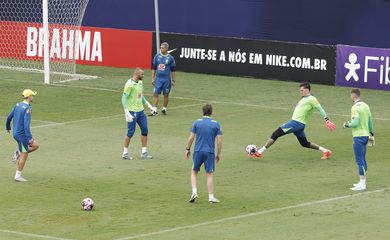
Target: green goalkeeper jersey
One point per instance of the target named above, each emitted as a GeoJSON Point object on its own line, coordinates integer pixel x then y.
{"type": "Point", "coordinates": [133, 91]}
{"type": "Point", "coordinates": [305, 107]}
{"type": "Point", "coordinates": [361, 111]}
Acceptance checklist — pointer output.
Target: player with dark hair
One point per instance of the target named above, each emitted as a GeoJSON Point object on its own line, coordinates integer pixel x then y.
{"type": "Point", "coordinates": [163, 77]}
{"type": "Point", "coordinates": [206, 131]}
{"type": "Point", "coordinates": [296, 125]}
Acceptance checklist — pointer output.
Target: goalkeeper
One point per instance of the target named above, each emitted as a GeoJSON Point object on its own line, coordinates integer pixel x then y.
{"type": "Point", "coordinates": [297, 124]}
{"type": "Point", "coordinates": [132, 101]}
{"type": "Point", "coordinates": [362, 132]}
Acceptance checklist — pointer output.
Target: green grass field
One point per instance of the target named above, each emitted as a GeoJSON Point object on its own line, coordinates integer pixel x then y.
{"type": "Point", "coordinates": [289, 194]}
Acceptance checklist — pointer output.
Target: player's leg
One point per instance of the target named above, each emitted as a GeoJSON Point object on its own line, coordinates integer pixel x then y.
{"type": "Point", "coordinates": [33, 146]}
{"type": "Point", "coordinates": [23, 149]}
{"type": "Point", "coordinates": [209, 166]}
{"type": "Point", "coordinates": [280, 131]}
{"type": "Point", "coordinates": [196, 163]}
{"type": "Point", "coordinates": [359, 149]}
{"type": "Point", "coordinates": [166, 91]}
{"type": "Point", "coordinates": [300, 134]}
{"type": "Point", "coordinates": [158, 87]}
{"type": "Point", "coordinates": [129, 135]}
{"type": "Point", "coordinates": [142, 122]}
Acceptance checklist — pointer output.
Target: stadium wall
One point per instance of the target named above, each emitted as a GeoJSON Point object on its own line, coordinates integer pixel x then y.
{"type": "Point", "coordinates": [352, 22]}
{"type": "Point", "coordinates": [263, 59]}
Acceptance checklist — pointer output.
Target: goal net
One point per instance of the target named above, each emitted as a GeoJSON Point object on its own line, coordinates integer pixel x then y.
{"type": "Point", "coordinates": [23, 45]}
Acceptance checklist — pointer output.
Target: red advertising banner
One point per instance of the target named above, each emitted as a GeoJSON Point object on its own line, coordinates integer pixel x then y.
{"type": "Point", "coordinates": [90, 46]}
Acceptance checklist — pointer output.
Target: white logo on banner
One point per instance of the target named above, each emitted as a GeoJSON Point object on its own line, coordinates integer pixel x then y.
{"type": "Point", "coordinates": [352, 66]}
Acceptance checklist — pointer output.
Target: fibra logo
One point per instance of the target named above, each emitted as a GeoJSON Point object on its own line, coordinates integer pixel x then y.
{"type": "Point", "coordinates": [352, 66]}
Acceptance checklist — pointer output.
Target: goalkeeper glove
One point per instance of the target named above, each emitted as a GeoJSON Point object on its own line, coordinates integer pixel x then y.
{"type": "Point", "coordinates": [346, 124]}
{"type": "Point", "coordinates": [329, 125]}
{"type": "Point", "coordinates": [371, 140]}
{"type": "Point", "coordinates": [128, 116]}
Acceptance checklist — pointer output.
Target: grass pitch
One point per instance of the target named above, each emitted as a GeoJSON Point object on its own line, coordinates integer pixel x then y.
{"type": "Point", "coordinates": [289, 194]}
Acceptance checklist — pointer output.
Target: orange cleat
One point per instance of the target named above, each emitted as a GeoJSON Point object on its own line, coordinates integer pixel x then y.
{"type": "Point", "coordinates": [326, 154]}
{"type": "Point", "coordinates": [255, 155]}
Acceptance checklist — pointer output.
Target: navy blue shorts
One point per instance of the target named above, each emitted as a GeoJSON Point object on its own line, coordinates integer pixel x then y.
{"type": "Point", "coordinates": [163, 86]}
{"type": "Point", "coordinates": [142, 121]}
{"type": "Point", "coordinates": [295, 127]}
{"type": "Point", "coordinates": [22, 143]}
{"type": "Point", "coordinates": [204, 157]}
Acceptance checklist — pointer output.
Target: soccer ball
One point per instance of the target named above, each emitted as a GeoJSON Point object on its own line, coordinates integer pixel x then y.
{"type": "Point", "coordinates": [87, 204]}
{"type": "Point", "coordinates": [251, 149]}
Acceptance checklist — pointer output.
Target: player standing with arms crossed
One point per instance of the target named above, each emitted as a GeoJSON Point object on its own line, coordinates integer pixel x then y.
{"type": "Point", "coordinates": [21, 116]}
{"type": "Point", "coordinates": [363, 133]}
{"type": "Point", "coordinates": [296, 125]}
{"type": "Point", "coordinates": [163, 77]}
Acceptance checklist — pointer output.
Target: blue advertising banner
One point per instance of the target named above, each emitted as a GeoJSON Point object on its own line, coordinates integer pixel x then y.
{"type": "Point", "coordinates": [363, 67]}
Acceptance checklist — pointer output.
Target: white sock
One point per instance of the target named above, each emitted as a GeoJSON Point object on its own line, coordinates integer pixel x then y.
{"type": "Point", "coordinates": [211, 195]}
{"type": "Point", "coordinates": [125, 150]}
{"type": "Point", "coordinates": [18, 174]}
{"type": "Point", "coordinates": [262, 149]}
{"type": "Point", "coordinates": [194, 191]}
{"type": "Point", "coordinates": [164, 108]}
{"type": "Point", "coordinates": [143, 149]}
{"type": "Point", "coordinates": [322, 149]}
{"type": "Point", "coordinates": [362, 182]}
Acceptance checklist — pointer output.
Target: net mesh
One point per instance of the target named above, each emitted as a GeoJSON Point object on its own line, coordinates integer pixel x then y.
{"type": "Point", "coordinates": [21, 36]}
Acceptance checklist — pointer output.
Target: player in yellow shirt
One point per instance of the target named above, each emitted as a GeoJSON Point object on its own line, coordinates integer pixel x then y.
{"type": "Point", "coordinates": [363, 133]}
{"type": "Point", "coordinates": [133, 102]}
{"type": "Point", "coordinates": [296, 125]}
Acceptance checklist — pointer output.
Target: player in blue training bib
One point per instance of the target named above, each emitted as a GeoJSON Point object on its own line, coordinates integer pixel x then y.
{"type": "Point", "coordinates": [206, 132]}
{"type": "Point", "coordinates": [163, 76]}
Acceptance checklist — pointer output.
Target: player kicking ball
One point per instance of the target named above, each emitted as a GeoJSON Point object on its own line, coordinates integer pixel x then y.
{"type": "Point", "coordinates": [297, 124]}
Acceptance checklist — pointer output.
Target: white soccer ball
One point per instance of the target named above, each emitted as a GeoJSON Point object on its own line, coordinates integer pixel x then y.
{"type": "Point", "coordinates": [87, 204]}
{"type": "Point", "coordinates": [251, 149]}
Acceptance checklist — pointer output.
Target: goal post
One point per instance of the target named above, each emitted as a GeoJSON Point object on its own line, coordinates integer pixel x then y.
{"type": "Point", "coordinates": [42, 36]}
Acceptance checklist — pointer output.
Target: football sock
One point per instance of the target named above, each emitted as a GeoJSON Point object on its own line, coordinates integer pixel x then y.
{"type": "Point", "coordinates": [322, 149]}
{"type": "Point", "coordinates": [164, 108]}
{"type": "Point", "coordinates": [362, 181]}
{"type": "Point", "coordinates": [125, 150]}
{"type": "Point", "coordinates": [18, 174]}
{"type": "Point", "coordinates": [211, 195]}
{"type": "Point", "coordinates": [262, 149]}
{"type": "Point", "coordinates": [143, 149]}
{"type": "Point", "coordinates": [194, 191]}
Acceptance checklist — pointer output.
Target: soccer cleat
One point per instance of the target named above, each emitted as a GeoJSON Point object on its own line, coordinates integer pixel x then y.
{"type": "Point", "coordinates": [359, 187]}
{"type": "Point", "coordinates": [126, 156]}
{"type": "Point", "coordinates": [255, 155]}
{"type": "Point", "coordinates": [193, 197]}
{"type": "Point", "coordinates": [356, 184]}
{"type": "Point", "coordinates": [164, 112]}
{"type": "Point", "coordinates": [146, 155]}
{"type": "Point", "coordinates": [20, 179]}
{"type": "Point", "coordinates": [15, 157]}
{"type": "Point", "coordinates": [213, 200]}
{"type": "Point", "coordinates": [326, 154]}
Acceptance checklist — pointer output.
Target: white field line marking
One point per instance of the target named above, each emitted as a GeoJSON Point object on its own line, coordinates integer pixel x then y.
{"type": "Point", "coordinates": [196, 99]}
{"type": "Point", "coordinates": [222, 220]}
{"type": "Point", "coordinates": [32, 235]}
{"type": "Point", "coordinates": [102, 118]}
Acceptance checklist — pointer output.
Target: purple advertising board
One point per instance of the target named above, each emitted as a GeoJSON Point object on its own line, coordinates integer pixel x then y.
{"type": "Point", "coordinates": [363, 67]}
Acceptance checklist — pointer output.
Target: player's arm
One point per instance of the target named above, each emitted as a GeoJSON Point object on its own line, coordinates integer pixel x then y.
{"type": "Point", "coordinates": [154, 68]}
{"type": "Point", "coordinates": [26, 123]}
{"type": "Point", "coordinates": [9, 119]}
{"type": "Point", "coordinates": [190, 140]}
{"type": "Point", "coordinates": [145, 102]}
{"type": "Point", "coordinates": [219, 148]}
{"type": "Point", "coordinates": [173, 72]}
{"type": "Point", "coordinates": [354, 119]}
{"type": "Point", "coordinates": [125, 104]}
{"type": "Point", "coordinates": [329, 125]}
